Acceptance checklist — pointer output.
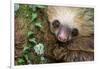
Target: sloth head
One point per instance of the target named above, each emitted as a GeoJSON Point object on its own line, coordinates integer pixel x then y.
{"type": "Point", "coordinates": [69, 22]}
{"type": "Point", "coordinates": [62, 23]}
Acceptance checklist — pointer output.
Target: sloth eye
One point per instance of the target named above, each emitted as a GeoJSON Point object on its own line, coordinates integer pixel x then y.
{"type": "Point", "coordinates": [75, 32]}
{"type": "Point", "coordinates": [56, 23]}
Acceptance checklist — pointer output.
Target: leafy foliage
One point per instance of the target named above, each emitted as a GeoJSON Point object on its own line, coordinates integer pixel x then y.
{"type": "Point", "coordinates": [32, 46]}
{"type": "Point", "coordinates": [21, 61]}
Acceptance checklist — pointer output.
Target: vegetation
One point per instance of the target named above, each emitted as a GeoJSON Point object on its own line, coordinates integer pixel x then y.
{"type": "Point", "coordinates": [33, 50]}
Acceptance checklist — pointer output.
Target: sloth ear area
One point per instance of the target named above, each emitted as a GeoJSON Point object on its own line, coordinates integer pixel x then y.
{"type": "Point", "coordinates": [55, 24]}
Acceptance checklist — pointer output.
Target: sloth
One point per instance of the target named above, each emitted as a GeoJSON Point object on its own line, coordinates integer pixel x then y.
{"type": "Point", "coordinates": [75, 25]}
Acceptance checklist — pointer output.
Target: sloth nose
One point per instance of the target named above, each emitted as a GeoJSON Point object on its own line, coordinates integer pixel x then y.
{"type": "Point", "coordinates": [62, 37]}
{"type": "Point", "coordinates": [63, 34]}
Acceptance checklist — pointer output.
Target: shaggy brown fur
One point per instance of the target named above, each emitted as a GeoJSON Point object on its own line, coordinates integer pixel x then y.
{"type": "Point", "coordinates": [80, 48]}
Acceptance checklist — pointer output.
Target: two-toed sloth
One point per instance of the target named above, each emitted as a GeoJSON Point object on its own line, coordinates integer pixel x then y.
{"type": "Point", "coordinates": [75, 25]}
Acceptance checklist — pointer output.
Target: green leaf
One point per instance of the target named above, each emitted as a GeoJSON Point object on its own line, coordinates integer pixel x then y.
{"type": "Point", "coordinates": [21, 61]}
{"type": "Point", "coordinates": [33, 40]}
{"type": "Point", "coordinates": [34, 16]}
{"type": "Point", "coordinates": [39, 48]}
{"type": "Point", "coordinates": [38, 24]}
{"type": "Point", "coordinates": [25, 48]}
{"type": "Point", "coordinates": [30, 33]}
{"type": "Point", "coordinates": [27, 58]}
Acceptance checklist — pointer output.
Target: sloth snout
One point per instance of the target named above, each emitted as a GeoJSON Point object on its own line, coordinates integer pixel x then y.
{"type": "Point", "coordinates": [62, 38]}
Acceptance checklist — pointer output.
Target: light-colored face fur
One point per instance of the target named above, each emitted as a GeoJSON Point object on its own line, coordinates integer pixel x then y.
{"type": "Point", "coordinates": [63, 14]}
{"type": "Point", "coordinates": [80, 18]}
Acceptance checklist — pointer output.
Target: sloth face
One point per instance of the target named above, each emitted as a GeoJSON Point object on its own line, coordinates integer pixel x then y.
{"type": "Point", "coordinates": [68, 22]}
{"type": "Point", "coordinates": [63, 33]}
{"type": "Point", "coordinates": [63, 22]}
